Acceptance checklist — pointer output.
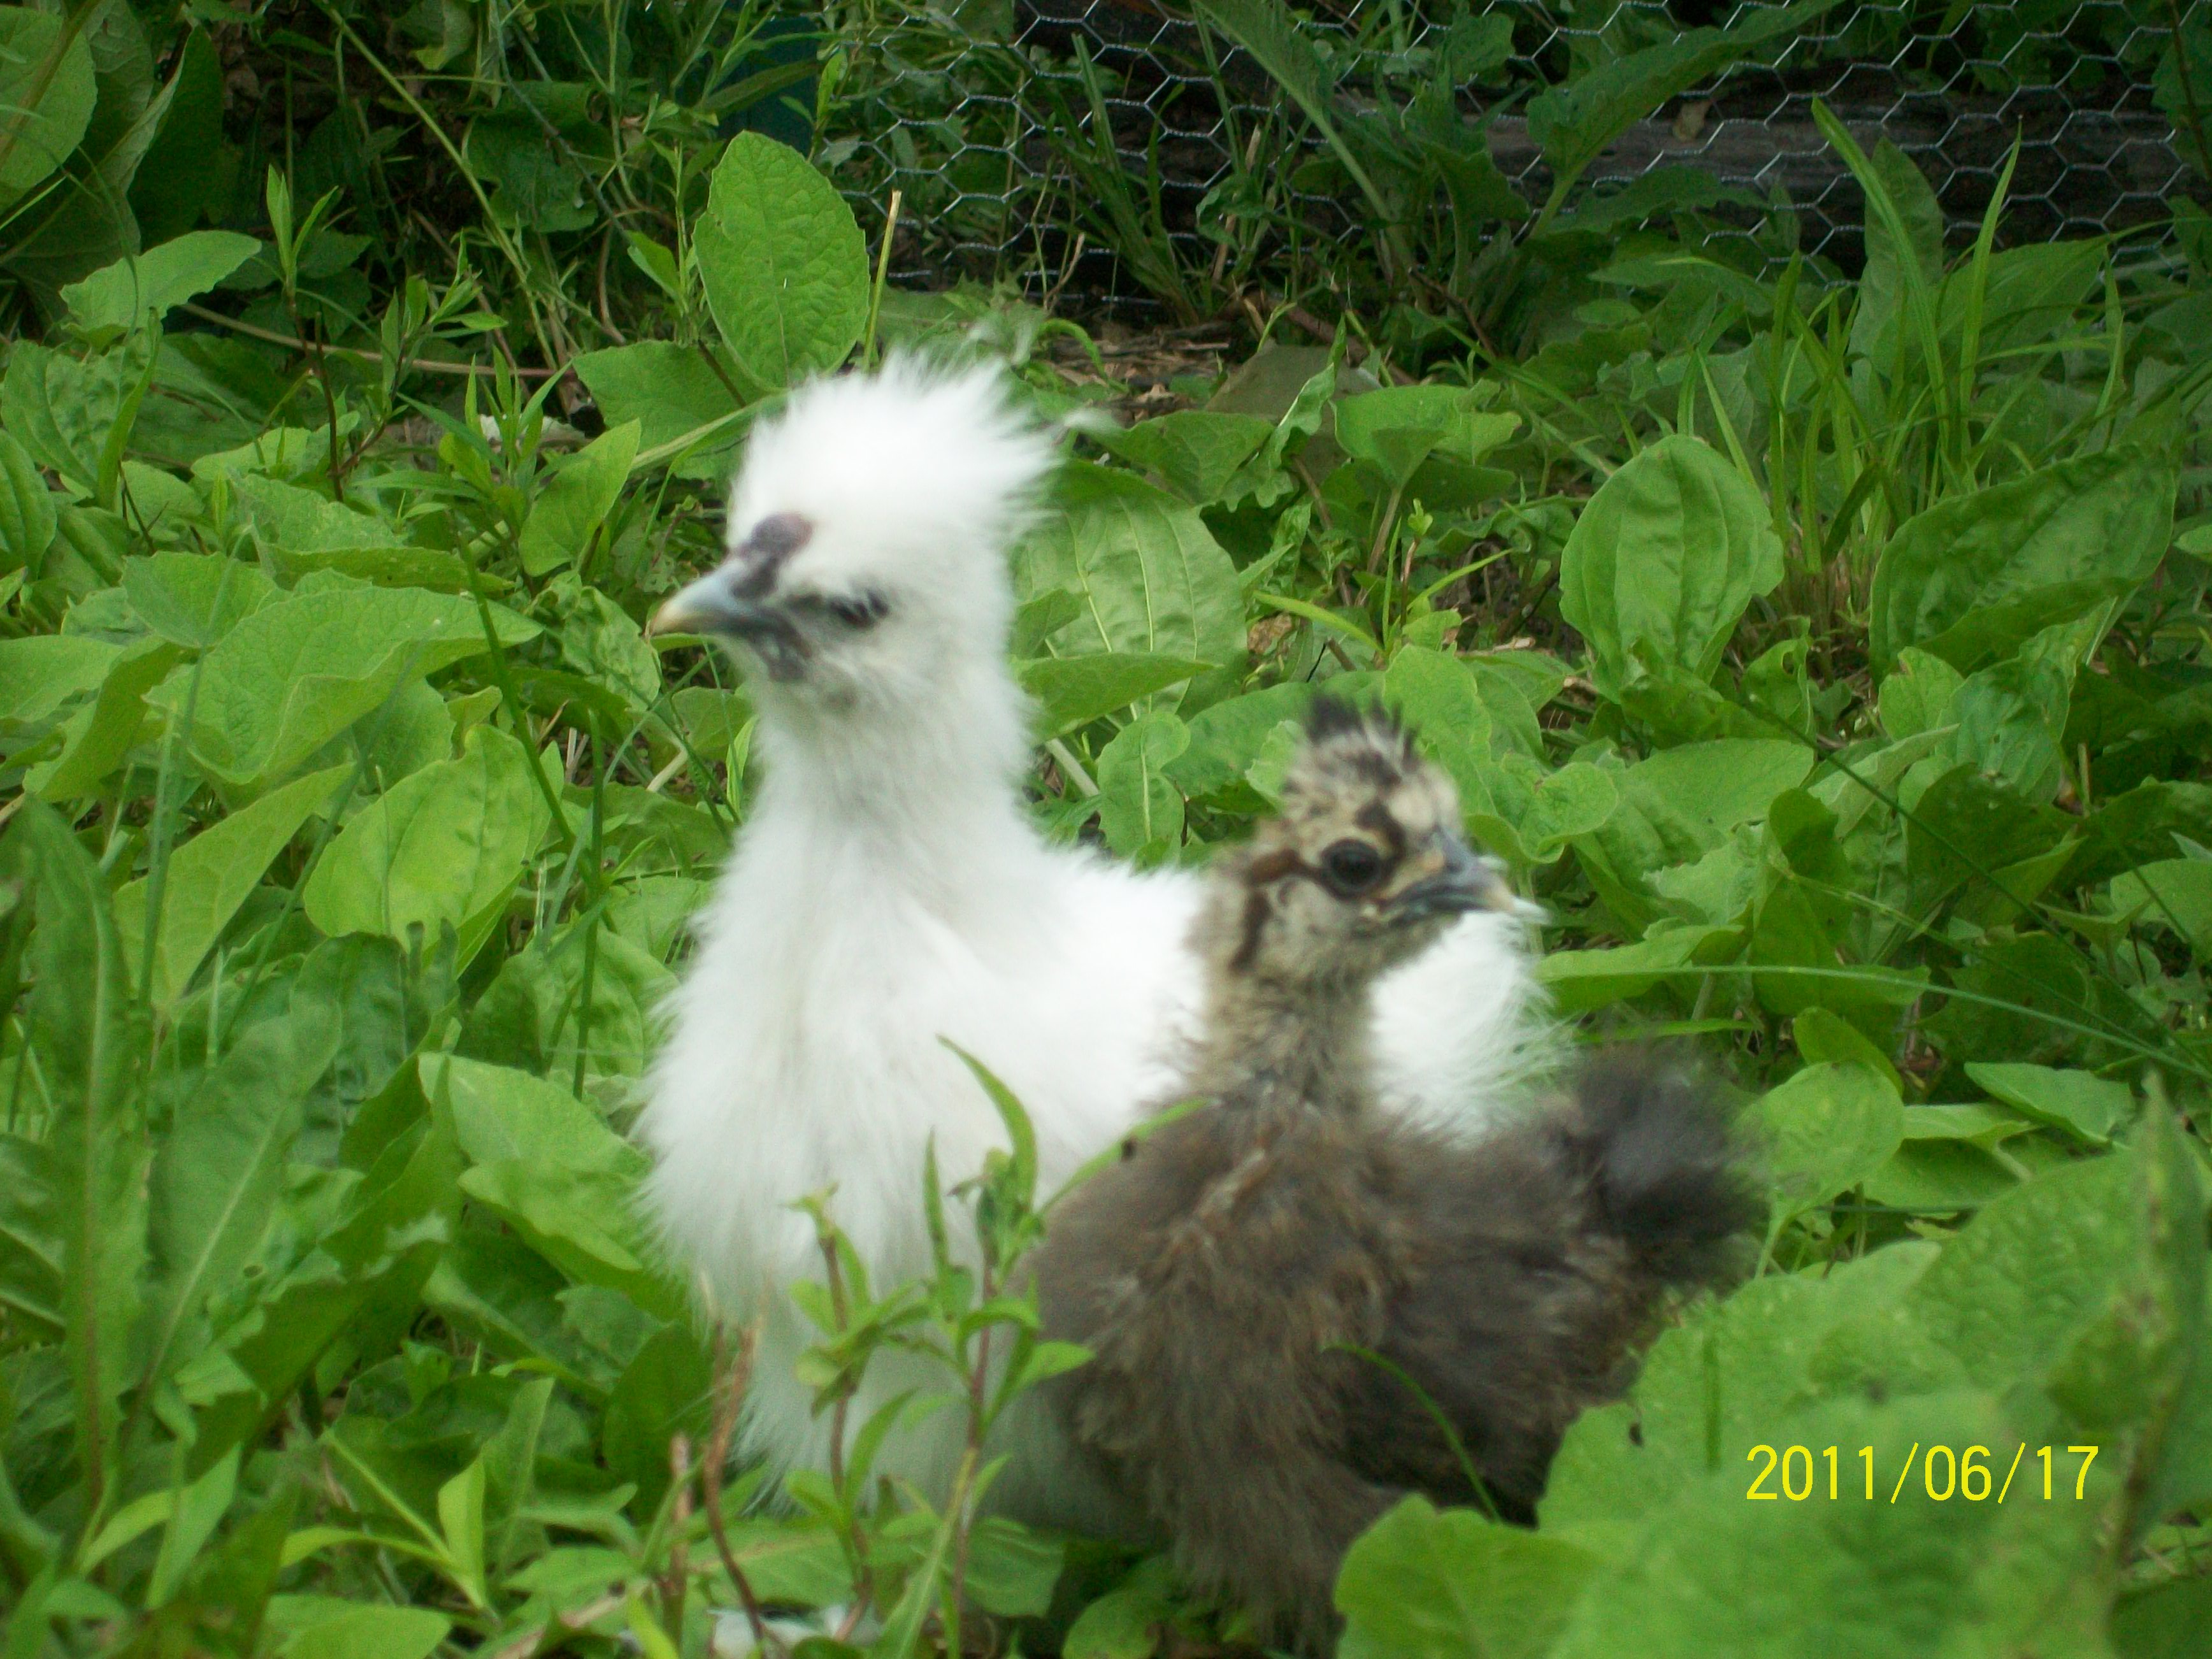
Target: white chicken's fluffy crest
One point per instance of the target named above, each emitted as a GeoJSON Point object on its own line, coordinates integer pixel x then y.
{"type": "Point", "coordinates": [919, 472]}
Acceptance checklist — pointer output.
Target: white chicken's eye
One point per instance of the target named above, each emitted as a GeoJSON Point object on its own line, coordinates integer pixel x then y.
{"type": "Point", "coordinates": [1351, 866]}
{"type": "Point", "coordinates": [860, 611]}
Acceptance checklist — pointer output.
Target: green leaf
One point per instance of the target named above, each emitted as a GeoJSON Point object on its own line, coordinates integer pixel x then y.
{"type": "Point", "coordinates": [41, 674]}
{"type": "Point", "coordinates": [45, 126]}
{"type": "Point", "coordinates": [1140, 808]}
{"type": "Point", "coordinates": [1714, 1573]}
{"type": "Point", "coordinates": [667, 1390]}
{"type": "Point", "coordinates": [500, 1114]}
{"type": "Point", "coordinates": [1436, 695]}
{"type": "Point", "coordinates": [1424, 1585]}
{"type": "Point", "coordinates": [581, 1220]}
{"type": "Point", "coordinates": [92, 1049]}
{"type": "Point", "coordinates": [174, 183]}
{"type": "Point", "coordinates": [672, 393]}
{"type": "Point", "coordinates": [1663, 561]}
{"type": "Point", "coordinates": [219, 1171]}
{"type": "Point", "coordinates": [325, 1627]}
{"type": "Point", "coordinates": [1193, 452]}
{"type": "Point", "coordinates": [1574, 122]}
{"type": "Point", "coordinates": [28, 521]}
{"type": "Point", "coordinates": [2083, 1104]}
{"type": "Point", "coordinates": [1825, 1131]}
{"type": "Point", "coordinates": [1012, 1572]}
{"type": "Point", "coordinates": [784, 268]}
{"type": "Point", "coordinates": [192, 600]}
{"type": "Point", "coordinates": [1975, 576]}
{"type": "Point", "coordinates": [200, 1508]}
{"type": "Point", "coordinates": [97, 736]}
{"type": "Point", "coordinates": [210, 875]}
{"type": "Point", "coordinates": [1714, 1386]}
{"type": "Point", "coordinates": [1151, 577]}
{"type": "Point", "coordinates": [583, 491]}
{"type": "Point", "coordinates": [294, 675]}
{"type": "Point", "coordinates": [1073, 691]}
{"type": "Point", "coordinates": [1394, 429]}
{"type": "Point", "coordinates": [434, 850]}
{"type": "Point", "coordinates": [2174, 893]}
{"type": "Point", "coordinates": [116, 298]}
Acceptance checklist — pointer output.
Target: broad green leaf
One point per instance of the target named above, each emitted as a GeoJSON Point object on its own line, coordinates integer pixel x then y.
{"type": "Point", "coordinates": [2175, 893]}
{"type": "Point", "coordinates": [667, 1390]}
{"type": "Point", "coordinates": [39, 674]}
{"type": "Point", "coordinates": [1394, 429]}
{"type": "Point", "coordinates": [2084, 1105]}
{"type": "Point", "coordinates": [1714, 1386]}
{"type": "Point", "coordinates": [534, 1015]}
{"type": "Point", "coordinates": [301, 530]}
{"type": "Point", "coordinates": [1917, 693]}
{"type": "Point", "coordinates": [1680, 804]}
{"type": "Point", "coordinates": [211, 874]}
{"type": "Point", "coordinates": [1151, 577]}
{"type": "Point", "coordinates": [1073, 691]}
{"type": "Point", "coordinates": [500, 1112]}
{"type": "Point", "coordinates": [45, 125]}
{"type": "Point", "coordinates": [672, 393]}
{"type": "Point", "coordinates": [200, 1509]}
{"type": "Point", "coordinates": [1424, 1585]}
{"type": "Point", "coordinates": [1573, 122]}
{"type": "Point", "coordinates": [192, 599]}
{"type": "Point", "coordinates": [64, 409]}
{"type": "Point", "coordinates": [116, 298]}
{"type": "Point", "coordinates": [219, 1171]}
{"type": "Point", "coordinates": [1125, 1622]}
{"type": "Point", "coordinates": [1140, 808]}
{"type": "Point", "coordinates": [785, 269]}
{"type": "Point", "coordinates": [91, 1047]}
{"type": "Point", "coordinates": [1012, 1572]}
{"type": "Point", "coordinates": [294, 675]}
{"type": "Point", "coordinates": [583, 1221]}
{"type": "Point", "coordinates": [1825, 1131]}
{"type": "Point", "coordinates": [27, 508]}
{"type": "Point", "coordinates": [1894, 274]}
{"type": "Point", "coordinates": [325, 1627]}
{"type": "Point", "coordinates": [1975, 576]}
{"type": "Point", "coordinates": [1193, 452]}
{"type": "Point", "coordinates": [436, 848]}
{"type": "Point", "coordinates": [2076, 1278]}
{"type": "Point", "coordinates": [97, 738]}
{"type": "Point", "coordinates": [1436, 695]}
{"type": "Point", "coordinates": [1579, 980]}
{"type": "Point", "coordinates": [582, 492]}
{"type": "Point", "coordinates": [30, 1238]}
{"type": "Point", "coordinates": [1663, 561]}
{"type": "Point", "coordinates": [1716, 1572]}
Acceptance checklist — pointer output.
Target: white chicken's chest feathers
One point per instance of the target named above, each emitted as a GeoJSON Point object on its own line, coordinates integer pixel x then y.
{"type": "Point", "coordinates": [807, 1055]}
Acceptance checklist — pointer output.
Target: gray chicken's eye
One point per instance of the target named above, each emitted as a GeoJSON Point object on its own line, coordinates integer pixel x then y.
{"type": "Point", "coordinates": [860, 611]}
{"type": "Point", "coordinates": [1351, 867]}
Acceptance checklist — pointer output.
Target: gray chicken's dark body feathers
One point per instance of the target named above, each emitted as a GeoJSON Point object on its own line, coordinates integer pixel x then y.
{"type": "Point", "coordinates": [1226, 1273]}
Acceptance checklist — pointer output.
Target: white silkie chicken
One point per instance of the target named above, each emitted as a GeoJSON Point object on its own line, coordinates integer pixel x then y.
{"type": "Point", "coordinates": [889, 889]}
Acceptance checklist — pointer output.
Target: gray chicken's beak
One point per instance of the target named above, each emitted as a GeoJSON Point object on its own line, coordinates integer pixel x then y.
{"type": "Point", "coordinates": [1466, 883]}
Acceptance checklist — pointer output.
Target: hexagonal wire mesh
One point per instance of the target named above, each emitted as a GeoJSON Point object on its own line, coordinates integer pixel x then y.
{"type": "Point", "coordinates": [979, 105]}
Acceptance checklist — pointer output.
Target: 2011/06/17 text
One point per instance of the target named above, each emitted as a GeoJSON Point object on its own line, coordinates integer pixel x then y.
{"type": "Point", "coordinates": [1944, 1473]}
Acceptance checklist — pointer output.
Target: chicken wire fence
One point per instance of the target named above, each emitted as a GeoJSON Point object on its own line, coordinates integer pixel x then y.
{"type": "Point", "coordinates": [974, 107]}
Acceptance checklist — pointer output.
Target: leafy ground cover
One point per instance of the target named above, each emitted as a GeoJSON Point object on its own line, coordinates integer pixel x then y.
{"type": "Point", "coordinates": [1829, 655]}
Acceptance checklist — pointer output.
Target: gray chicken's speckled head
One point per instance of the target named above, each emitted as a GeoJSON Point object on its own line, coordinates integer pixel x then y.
{"type": "Point", "coordinates": [1363, 869]}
